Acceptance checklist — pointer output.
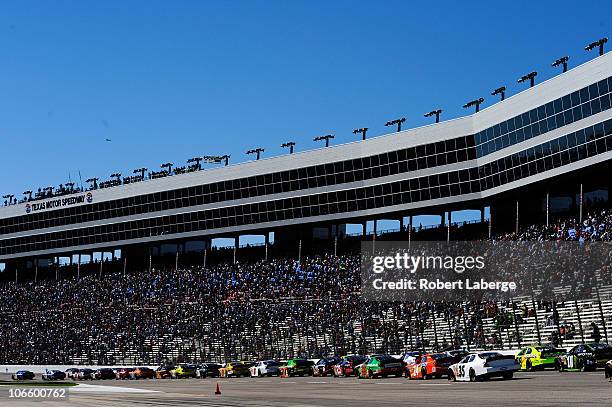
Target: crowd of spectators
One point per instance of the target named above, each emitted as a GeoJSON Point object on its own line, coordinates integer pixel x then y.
{"type": "Point", "coordinates": [277, 308]}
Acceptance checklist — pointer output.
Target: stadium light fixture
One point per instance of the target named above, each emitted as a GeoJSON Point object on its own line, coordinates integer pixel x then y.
{"type": "Point", "coordinates": [501, 91]}
{"type": "Point", "coordinates": [396, 121]}
{"type": "Point", "coordinates": [561, 61]}
{"type": "Point", "coordinates": [140, 171]}
{"type": "Point", "coordinates": [28, 195]}
{"type": "Point", "coordinates": [116, 175]}
{"type": "Point", "coordinates": [70, 186]}
{"type": "Point", "coordinates": [9, 199]}
{"type": "Point", "coordinates": [168, 166]}
{"type": "Point", "coordinates": [289, 145]}
{"type": "Point", "coordinates": [225, 158]}
{"type": "Point", "coordinates": [361, 131]}
{"type": "Point", "coordinates": [530, 76]}
{"type": "Point", "coordinates": [197, 161]}
{"type": "Point", "coordinates": [257, 151]}
{"type": "Point", "coordinates": [599, 43]}
{"type": "Point", "coordinates": [434, 113]}
{"type": "Point", "coordinates": [93, 183]}
{"type": "Point", "coordinates": [475, 102]}
{"type": "Point", "coordinates": [327, 137]}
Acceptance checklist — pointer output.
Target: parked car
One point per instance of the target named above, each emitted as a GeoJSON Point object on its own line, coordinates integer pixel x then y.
{"type": "Point", "coordinates": [265, 368]}
{"type": "Point", "coordinates": [85, 374]}
{"type": "Point", "coordinates": [53, 375]}
{"type": "Point", "coordinates": [297, 367]}
{"type": "Point", "coordinates": [207, 369]}
{"type": "Point", "coordinates": [381, 366]}
{"type": "Point", "coordinates": [104, 373]}
{"type": "Point", "coordinates": [484, 365]}
{"type": "Point", "coordinates": [325, 366]}
{"type": "Point", "coordinates": [429, 365]}
{"type": "Point", "coordinates": [124, 373]}
{"type": "Point", "coordinates": [347, 367]}
{"type": "Point", "coordinates": [143, 372]}
{"type": "Point", "coordinates": [235, 369]}
{"type": "Point", "coordinates": [23, 375]}
{"type": "Point", "coordinates": [183, 371]}
{"type": "Point", "coordinates": [163, 372]}
{"type": "Point", "coordinates": [72, 373]}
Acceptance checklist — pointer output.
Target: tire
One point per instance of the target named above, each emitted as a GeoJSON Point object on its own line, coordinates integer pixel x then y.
{"type": "Point", "coordinates": [451, 376]}
{"type": "Point", "coordinates": [472, 375]}
{"type": "Point", "coordinates": [408, 374]}
{"type": "Point", "coordinates": [528, 366]}
{"type": "Point", "coordinates": [423, 374]}
{"type": "Point", "coordinates": [508, 375]}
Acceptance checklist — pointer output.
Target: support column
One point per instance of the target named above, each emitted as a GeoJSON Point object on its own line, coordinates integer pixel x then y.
{"type": "Point", "coordinates": [482, 215]}
{"type": "Point", "coordinates": [401, 224]}
{"type": "Point", "coordinates": [448, 226]}
{"type": "Point", "coordinates": [267, 243]}
{"type": "Point", "coordinates": [101, 263]}
{"type": "Point", "coordinates": [547, 208]}
{"type": "Point", "coordinates": [580, 203]}
{"type": "Point", "coordinates": [176, 259]}
{"type": "Point", "coordinates": [16, 270]}
{"type": "Point", "coordinates": [300, 251]}
{"type": "Point", "coordinates": [236, 244]}
{"type": "Point", "coordinates": [150, 260]}
{"type": "Point", "coordinates": [78, 268]}
{"type": "Point", "coordinates": [490, 221]}
{"type": "Point", "coordinates": [409, 230]}
{"type": "Point", "coordinates": [365, 230]}
{"type": "Point", "coordinates": [35, 270]}
{"type": "Point", "coordinates": [516, 228]}
{"type": "Point", "coordinates": [124, 264]}
{"type": "Point", "coordinates": [442, 216]}
{"type": "Point", "coordinates": [204, 260]}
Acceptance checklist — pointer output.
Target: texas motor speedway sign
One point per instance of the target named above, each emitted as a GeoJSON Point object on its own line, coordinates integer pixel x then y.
{"type": "Point", "coordinates": [59, 203]}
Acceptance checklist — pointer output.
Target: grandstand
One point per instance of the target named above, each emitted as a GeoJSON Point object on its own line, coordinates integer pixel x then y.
{"type": "Point", "coordinates": [539, 160]}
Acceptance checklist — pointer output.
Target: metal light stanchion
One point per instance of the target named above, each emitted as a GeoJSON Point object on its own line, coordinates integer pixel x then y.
{"type": "Point", "coordinates": [601, 314]}
{"type": "Point", "coordinates": [579, 320]}
{"type": "Point", "coordinates": [537, 322]}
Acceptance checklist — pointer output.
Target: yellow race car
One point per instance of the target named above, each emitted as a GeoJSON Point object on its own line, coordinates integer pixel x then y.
{"type": "Point", "coordinates": [184, 370]}
{"type": "Point", "coordinates": [538, 357]}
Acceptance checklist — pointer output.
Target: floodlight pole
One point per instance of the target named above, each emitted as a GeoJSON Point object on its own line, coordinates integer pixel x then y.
{"type": "Point", "coordinates": [531, 76]}
{"type": "Point", "coordinates": [363, 132]}
{"type": "Point", "coordinates": [398, 122]}
{"type": "Point", "coordinates": [599, 43]}
{"type": "Point", "coordinates": [290, 145]}
{"type": "Point", "coordinates": [475, 102]}
{"type": "Point", "coordinates": [561, 61]}
{"type": "Point", "coordinates": [326, 138]}
{"type": "Point", "coordinates": [501, 91]}
{"type": "Point", "coordinates": [257, 151]}
{"type": "Point", "coordinates": [434, 113]}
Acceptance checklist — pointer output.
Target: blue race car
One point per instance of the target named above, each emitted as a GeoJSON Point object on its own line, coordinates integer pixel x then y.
{"type": "Point", "coordinates": [23, 375]}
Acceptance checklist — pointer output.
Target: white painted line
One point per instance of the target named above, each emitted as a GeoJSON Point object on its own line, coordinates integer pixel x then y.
{"type": "Point", "coordinates": [95, 388]}
{"type": "Point", "coordinates": [435, 384]}
{"type": "Point", "coordinates": [318, 382]}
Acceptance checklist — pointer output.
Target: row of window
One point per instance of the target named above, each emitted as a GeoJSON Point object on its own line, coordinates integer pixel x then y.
{"type": "Point", "coordinates": [391, 163]}
{"type": "Point", "coordinates": [555, 114]}
{"type": "Point", "coordinates": [564, 150]}
{"type": "Point", "coordinates": [582, 103]}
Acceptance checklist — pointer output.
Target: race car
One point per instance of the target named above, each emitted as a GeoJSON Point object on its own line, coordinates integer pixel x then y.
{"type": "Point", "coordinates": [235, 369]}
{"type": "Point", "coordinates": [23, 375]}
{"type": "Point", "coordinates": [297, 367]}
{"type": "Point", "coordinates": [428, 366]}
{"type": "Point", "coordinates": [325, 366]}
{"type": "Point", "coordinates": [207, 369]}
{"type": "Point", "coordinates": [72, 373]}
{"type": "Point", "coordinates": [104, 373]}
{"type": "Point", "coordinates": [347, 366]}
{"type": "Point", "coordinates": [163, 372]}
{"type": "Point", "coordinates": [142, 373]}
{"type": "Point", "coordinates": [265, 368]}
{"type": "Point", "coordinates": [381, 366]}
{"type": "Point", "coordinates": [585, 357]}
{"type": "Point", "coordinates": [85, 374]}
{"type": "Point", "coordinates": [409, 357]}
{"type": "Point", "coordinates": [124, 373]}
{"type": "Point", "coordinates": [482, 366]}
{"type": "Point", "coordinates": [53, 375]}
{"type": "Point", "coordinates": [184, 370]}
{"type": "Point", "coordinates": [538, 357]}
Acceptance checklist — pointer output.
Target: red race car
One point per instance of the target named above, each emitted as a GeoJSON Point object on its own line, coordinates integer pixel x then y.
{"type": "Point", "coordinates": [348, 365]}
{"type": "Point", "coordinates": [429, 365]}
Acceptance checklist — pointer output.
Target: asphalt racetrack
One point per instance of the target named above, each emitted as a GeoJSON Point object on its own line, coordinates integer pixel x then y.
{"type": "Point", "coordinates": [533, 389]}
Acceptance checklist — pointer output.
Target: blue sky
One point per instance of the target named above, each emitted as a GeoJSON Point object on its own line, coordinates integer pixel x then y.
{"type": "Point", "coordinates": [169, 80]}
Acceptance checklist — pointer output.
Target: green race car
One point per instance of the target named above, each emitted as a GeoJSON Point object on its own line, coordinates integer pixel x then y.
{"type": "Point", "coordinates": [538, 357]}
{"type": "Point", "coordinates": [297, 367]}
{"type": "Point", "coordinates": [381, 366]}
{"type": "Point", "coordinates": [586, 356]}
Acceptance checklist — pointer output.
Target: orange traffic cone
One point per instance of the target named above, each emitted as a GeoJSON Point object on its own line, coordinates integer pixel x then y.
{"type": "Point", "coordinates": [218, 389]}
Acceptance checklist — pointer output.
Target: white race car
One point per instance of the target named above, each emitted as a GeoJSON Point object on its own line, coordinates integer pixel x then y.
{"type": "Point", "coordinates": [483, 365]}
{"type": "Point", "coordinates": [265, 368]}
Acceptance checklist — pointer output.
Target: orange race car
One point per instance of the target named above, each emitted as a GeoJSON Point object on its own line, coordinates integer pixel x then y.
{"type": "Point", "coordinates": [429, 365]}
